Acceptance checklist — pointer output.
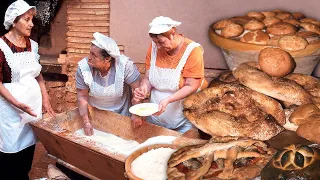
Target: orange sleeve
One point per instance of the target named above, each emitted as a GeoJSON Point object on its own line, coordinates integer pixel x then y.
{"type": "Point", "coordinates": [148, 57]}
{"type": "Point", "coordinates": [194, 67]}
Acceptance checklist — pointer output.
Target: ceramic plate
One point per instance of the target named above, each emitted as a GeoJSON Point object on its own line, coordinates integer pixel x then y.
{"type": "Point", "coordinates": [144, 109]}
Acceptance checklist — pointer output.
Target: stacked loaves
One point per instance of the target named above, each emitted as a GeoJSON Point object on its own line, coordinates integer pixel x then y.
{"type": "Point", "coordinates": [289, 31]}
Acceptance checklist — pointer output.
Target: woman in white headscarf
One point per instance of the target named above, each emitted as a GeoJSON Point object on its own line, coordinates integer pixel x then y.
{"type": "Point", "coordinates": [22, 92]}
{"type": "Point", "coordinates": [103, 80]}
{"type": "Point", "coordinates": [174, 70]}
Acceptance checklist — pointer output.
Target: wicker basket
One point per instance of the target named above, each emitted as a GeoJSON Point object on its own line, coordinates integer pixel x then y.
{"type": "Point", "coordinates": [137, 153]}
{"type": "Point", "coordinates": [236, 52]}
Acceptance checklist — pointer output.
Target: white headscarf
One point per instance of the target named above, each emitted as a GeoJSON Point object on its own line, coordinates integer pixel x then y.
{"type": "Point", "coordinates": [15, 9]}
{"type": "Point", "coordinates": [107, 44]}
{"type": "Point", "coordinates": [162, 24]}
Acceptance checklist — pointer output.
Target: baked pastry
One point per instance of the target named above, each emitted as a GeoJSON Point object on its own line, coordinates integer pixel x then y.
{"type": "Point", "coordinates": [298, 15]}
{"type": "Point", "coordinates": [310, 27]}
{"type": "Point", "coordinates": [257, 15]}
{"type": "Point", "coordinates": [236, 159]}
{"type": "Point", "coordinates": [281, 29]}
{"type": "Point", "coordinates": [254, 25]}
{"type": "Point", "coordinates": [221, 24]}
{"type": "Point", "coordinates": [234, 110]}
{"type": "Point", "coordinates": [291, 21]}
{"type": "Point", "coordinates": [292, 43]}
{"type": "Point", "coordinates": [309, 83]}
{"type": "Point", "coordinates": [279, 88]}
{"type": "Point", "coordinates": [274, 41]}
{"type": "Point", "coordinates": [242, 20]}
{"type": "Point", "coordinates": [309, 36]}
{"type": "Point", "coordinates": [232, 30]}
{"type": "Point", "coordinates": [310, 130]}
{"type": "Point", "coordinates": [255, 37]}
{"type": "Point", "coordinates": [277, 11]}
{"type": "Point", "coordinates": [305, 113]}
{"type": "Point", "coordinates": [268, 21]}
{"type": "Point", "coordinates": [269, 13]}
{"type": "Point", "coordinates": [276, 62]}
{"type": "Point", "coordinates": [284, 15]}
{"type": "Point", "coordinates": [293, 161]}
{"type": "Point", "coordinates": [310, 20]}
{"type": "Point", "coordinates": [224, 78]}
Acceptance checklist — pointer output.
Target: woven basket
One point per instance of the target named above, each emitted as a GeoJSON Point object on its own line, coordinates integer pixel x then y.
{"type": "Point", "coordinates": [137, 153]}
{"type": "Point", "coordinates": [236, 52]}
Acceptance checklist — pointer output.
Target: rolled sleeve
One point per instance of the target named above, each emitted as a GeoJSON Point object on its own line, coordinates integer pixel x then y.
{"type": "Point", "coordinates": [80, 84]}
{"type": "Point", "coordinates": [132, 73]}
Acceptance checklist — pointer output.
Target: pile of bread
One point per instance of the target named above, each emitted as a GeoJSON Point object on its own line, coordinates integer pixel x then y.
{"type": "Point", "coordinates": [289, 31]}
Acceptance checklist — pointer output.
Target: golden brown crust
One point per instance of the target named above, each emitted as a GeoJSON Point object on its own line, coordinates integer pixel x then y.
{"type": "Point", "coordinates": [232, 30]}
{"type": "Point", "coordinates": [275, 62]}
{"type": "Point", "coordinates": [310, 27]}
{"type": "Point", "coordinates": [310, 20]}
{"type": "Point", "coordinates": [269, 13]}
{"type": "Point", "coordinates": [268, 21]}
{"type": "Point", "coordinates": [221, 24]}
{"type": "Point", "coordinates": [254, 25]}
{"type": "Point", "coordinates": [278, 11]}
{"type": "Point", "coordinates": [310, 130]}
{"type": "Point", "coordinates": [257, 15]}
{"type": "Point", "coordinates": [298, 15]}
{"type": "Point", "coordinates": [242, 20]}
{"type": "Point", "coordinates": [255, 37]}
{"type": "Point", "coordinates": [309, 83]}
{"type": "Point", "coordinates": [274, 41]}
{"type": "Point", "coordinates": [292, 43]}
{"type": "Point", "coordinates": [307, 34]}
{"type": "Point", "coordinates": [278, 88]}
{"type": "Point", "coordinates": [284, 15]}
{"type": "Point", "coordinates": [281, 29]}
{"type": "Point", "coordinates": [304, 113]}
{"type": "Point", "coordinates": [292, 21]}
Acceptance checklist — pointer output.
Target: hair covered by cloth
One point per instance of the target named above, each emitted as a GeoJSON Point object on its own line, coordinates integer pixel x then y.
{"type": "Point", "coordinates": [106, 43]}
{"type": "Point", "coordinates": [15, 9]}
{"type": "Point", "coordinates": [162, 24]}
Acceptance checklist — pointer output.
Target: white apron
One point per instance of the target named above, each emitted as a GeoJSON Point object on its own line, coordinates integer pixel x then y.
{"type": "Point", "coordinates": [109, 97]}
{"type": "Point", "coordinates": [15, 133]}
{"type": "Point", "coordinates": [165, 82]}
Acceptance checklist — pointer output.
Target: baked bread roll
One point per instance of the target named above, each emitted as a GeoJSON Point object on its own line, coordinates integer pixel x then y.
{"type": "Point", "coordinates": [224, 78]}
{"type": "Point", "coordinates": [269, 13]}
{"type": "Point", "coordinates": [291, 21]}
{"type": "Point", "coordinates": [255, 37]}
{"type": "Point", "coordinates": [221, 24]}
{"type": "Point", "coordinates": [305, 113]}
{"type": "Point", "coordinates": [281, 29]}
{"type": "Point", "coordinates": [309, 36]}
{"type": "Point", "coordinates": [292, 43]}
{"type": "Point", "coordinates": [279, 88]}
{"type": "Point", "coordinates": [257, 15]}
{"type": "Point", "coordinates": [292, 162]}
{"type": "Point", "coordinates": [274, 41]}
{"type": "Point", "coordinates": [232, 30]}
{"type": "Point", "coordinates": [276, 62]}
{"type": "Point", "coordinates": [268, 21]}
{"type": "Point", "coordinates": [309, 83]}
{"type": "Point", "coordinates": [310, 27]}
{"type": "Point", "coordinates": [298, 15]}
{"type": "Point", "coordinates": [310, 131]}
{"type": "Point", "coordinates": [278, 11]}
{"type": "Point", "coordinates": [254, 25]}
{"type": "Point", "coordinates": [242, 20]}
{"type": "Point", "coordinates": [284, 15]}
{"type": "Point", "coordinates": [310, 20]}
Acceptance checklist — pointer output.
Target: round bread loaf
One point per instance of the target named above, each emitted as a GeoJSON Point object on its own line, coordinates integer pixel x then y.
{"type": "Point", "coordinates": [274, 41]}
{"type": "Point", "coordinates": [306, 34]}
{"type": "Point", "coordinates": [310, 20]}
{"type": "Point", "coordinates": [292, 43]}
{"type": "Point", "coordinates": [310, 27]}
{"type": "Point", "coordinates": [278, 11]}
{"type": "Point", "coordinates": [276, 62]}
{"type": "Point", "coordinates": [232, 30]}
{"type": "Point", "coordinates": [269, 13]}
{"type": "Point", "coordinates": [310, 131]}
{"type": "Point", "coordinates": [255, 37]}
{"type": "Point", "coordinates": [254, 25]}
{"type": "Point", "coordinates": [257, 15]}
{"type": "Point", "coordinates": [268, 21]}
{"type": "Point", "coordinates": [298, 15]}
{"type": "Point", "coordinates": [221, 24]}
{"type": "Point", "coordinates": [281, 29]}
{"type": "Point", "coordinates": [292, 21]}
{"type": "Point", "coordinates": [285, 15]}
{"type": "Point", "coordinates": [242, 20]}
{"type": "Point", "coordinates": [304, 113]}
{"type": "Point", "coordinates": [293, 162]}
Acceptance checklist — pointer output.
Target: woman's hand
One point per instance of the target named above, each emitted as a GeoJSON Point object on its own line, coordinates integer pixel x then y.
{"type": "Point", "coordinates": [88, 129]}
{"type": "Point", "coordinates": [162, 106]}
{"type": "Point", "coordinates": [136, 121]}
{"type": "Point", "coordinates": [26, 108]}
{"type": "Point", "coordinates": [46, 105]}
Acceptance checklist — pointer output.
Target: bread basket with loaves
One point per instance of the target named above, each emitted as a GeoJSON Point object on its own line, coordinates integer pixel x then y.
{"type": "Point", "coordinates": [242, 38]}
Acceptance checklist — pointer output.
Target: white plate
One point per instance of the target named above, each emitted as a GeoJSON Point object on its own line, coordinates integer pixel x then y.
{"type": "Point", "coordinates": [144, 109]}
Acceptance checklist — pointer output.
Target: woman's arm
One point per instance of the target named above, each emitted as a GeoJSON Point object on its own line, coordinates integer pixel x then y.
{"type": "Point", "coordinates": [45, 97]}
{"type": "Point", "coordinates": [8, 96]}
{"type": "Point", "coordinates": [144, 89]}
{"type": "Point", "coordinates": [82, 97]}
{"type": "Point", "coordinates": [190, 86]}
